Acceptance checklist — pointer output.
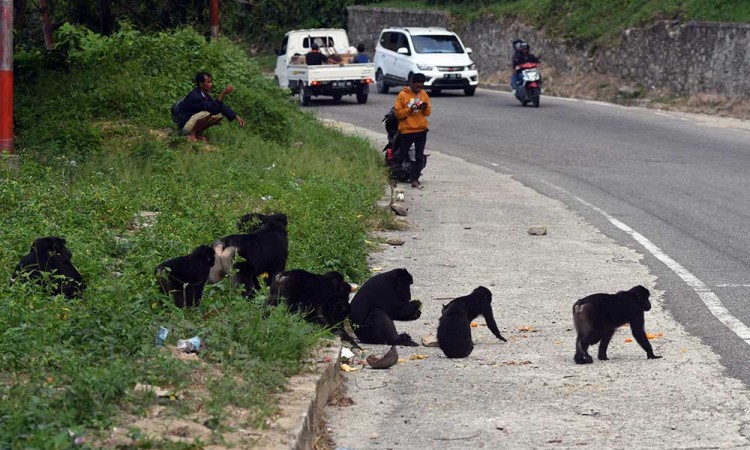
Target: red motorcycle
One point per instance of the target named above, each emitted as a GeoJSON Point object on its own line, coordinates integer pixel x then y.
{"type": "Point", "coordinates": [530, 88]}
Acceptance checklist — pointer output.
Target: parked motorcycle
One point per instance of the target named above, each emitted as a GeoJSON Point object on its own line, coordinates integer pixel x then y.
{"type": "Point", "coordinates": [530, 88]}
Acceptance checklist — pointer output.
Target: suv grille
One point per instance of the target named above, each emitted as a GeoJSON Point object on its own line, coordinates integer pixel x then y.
{"type": "Point", "coordinates": [450, 68]}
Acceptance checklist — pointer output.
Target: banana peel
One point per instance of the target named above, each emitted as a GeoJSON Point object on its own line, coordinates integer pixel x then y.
{"type": "Point", "coordinates": [388, 360]}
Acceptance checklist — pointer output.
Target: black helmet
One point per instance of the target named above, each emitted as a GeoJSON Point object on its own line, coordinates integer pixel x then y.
{"type": "Point", "coordinates": [517, 43]}
{"type": "Point", "coordinates": [523, 46]}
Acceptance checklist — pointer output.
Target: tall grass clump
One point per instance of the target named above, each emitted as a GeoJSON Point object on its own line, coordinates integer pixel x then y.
{"type": "Point", "coordinates": [100, 168]}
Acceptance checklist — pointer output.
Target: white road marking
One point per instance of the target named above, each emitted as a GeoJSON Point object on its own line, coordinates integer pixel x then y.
{"type": "Point", "coordinates": [711, 300]}
{"type": "Point", "coordinates": [732, 285]}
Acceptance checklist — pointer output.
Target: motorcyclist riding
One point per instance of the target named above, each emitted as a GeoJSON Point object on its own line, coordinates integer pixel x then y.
{"type": "Point", "coordinates": [522, 55]}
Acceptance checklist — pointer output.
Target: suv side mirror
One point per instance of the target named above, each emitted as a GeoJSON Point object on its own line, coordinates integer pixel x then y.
{"type": "Point", "coordinates": [469, 50]}
{"type": "Point", "coordinates": [403, 51]}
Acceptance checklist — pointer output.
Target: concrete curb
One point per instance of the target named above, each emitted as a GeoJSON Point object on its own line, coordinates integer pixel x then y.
{"type": "Point", "coordinates": [302, 401]}
{"type": "Point", "coordinates": [303, 434]}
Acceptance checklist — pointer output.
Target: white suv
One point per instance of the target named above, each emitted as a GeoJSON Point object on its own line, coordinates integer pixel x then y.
{"type": "Point", "coordinates": [436, 52]}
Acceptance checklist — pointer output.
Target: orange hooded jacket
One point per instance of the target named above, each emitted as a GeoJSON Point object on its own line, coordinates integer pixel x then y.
{"type": "Point", "coordinates": [410, 120]}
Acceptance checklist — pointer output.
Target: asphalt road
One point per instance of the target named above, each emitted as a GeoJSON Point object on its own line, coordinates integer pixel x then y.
{"type": "Point", "coordinates": [673, 187]}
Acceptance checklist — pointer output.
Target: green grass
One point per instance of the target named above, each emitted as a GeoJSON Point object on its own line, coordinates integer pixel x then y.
{"type": "Point", "coordinates": [589, 20]}
{"type": "Point", "coordinates": [93, 156]}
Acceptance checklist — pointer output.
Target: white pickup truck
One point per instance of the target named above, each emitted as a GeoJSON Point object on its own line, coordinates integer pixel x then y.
{"type": "Point", "coordinates": [333, 80]}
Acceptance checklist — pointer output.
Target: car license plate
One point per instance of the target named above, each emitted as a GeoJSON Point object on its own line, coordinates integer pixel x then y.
{"type": "Point", "coordinates": [340, 84]}
{"type": "Point", "coordinates": [452, 75]}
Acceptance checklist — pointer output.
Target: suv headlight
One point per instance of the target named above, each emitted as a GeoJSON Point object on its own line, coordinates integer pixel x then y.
{"type": "Point", "coordinates": [424, 67]}
{"type": "Point", "coordinates": [472, 66]}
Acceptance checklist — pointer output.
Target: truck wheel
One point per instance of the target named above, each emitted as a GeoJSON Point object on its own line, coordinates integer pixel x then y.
{"type": "Point", "coordinates": [361, 99]}
{"type": "Point", "coordinates": [304, 97]}
{"type": "Point", "coordinates": [380, 81]}
{"type": "Point", "coordinates": [470, 91]}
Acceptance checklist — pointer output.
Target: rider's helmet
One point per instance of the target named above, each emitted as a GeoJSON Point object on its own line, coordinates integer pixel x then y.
{"type": "Point", "coordinates": [517, 43]}
{"type": "Point", "coordinates": [524, 47]}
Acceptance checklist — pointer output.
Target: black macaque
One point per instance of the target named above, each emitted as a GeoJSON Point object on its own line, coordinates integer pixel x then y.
{"type": "Point", "coordinates": [252, 222]}
{"type": "Point", "coordinates": [50, 255]}
{"type": "Point", "coordinates": [322, 299]}
{"type": "Point", "coordinates": [381, 300]}
{"type": "Point", "coordinates": [184, 277]}
{"type": "Point", "coordinates": [262, 253]}
{"type": "Point", "coordinates": [454, 330]}
{"type": "Point", "coordinates": [597, 316]}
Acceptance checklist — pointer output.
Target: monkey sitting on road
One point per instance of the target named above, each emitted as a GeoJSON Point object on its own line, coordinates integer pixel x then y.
{"type": "Point", "coordinates": [185, 276]}
{"type": "Point", "coordinates": [384, 298]}
{"type": "Point", "coordinates": [454, 330]}
{"type": "Point", "coordinates": [50, 255]}
{"type": "Point", "coordinates": [597, 316]}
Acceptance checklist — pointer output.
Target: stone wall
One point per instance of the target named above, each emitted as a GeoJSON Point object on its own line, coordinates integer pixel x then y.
{"type": "Point", "coordinates": [687, 58]}
{"type": "Point", "coordinates": [684, 59]}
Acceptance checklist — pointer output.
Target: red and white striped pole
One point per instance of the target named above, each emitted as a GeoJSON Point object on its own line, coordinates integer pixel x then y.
{"type": "Point", "coordinates": [6, 76]}
{"type": "Point", "coordinates": [214, 19]}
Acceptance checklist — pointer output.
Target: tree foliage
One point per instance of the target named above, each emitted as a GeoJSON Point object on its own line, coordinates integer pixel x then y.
{"type": "Point", "coordinates": [261, 21]}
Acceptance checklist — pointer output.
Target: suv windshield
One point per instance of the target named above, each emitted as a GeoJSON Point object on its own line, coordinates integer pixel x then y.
{"type": "Point", "coordinates": [437, 44]}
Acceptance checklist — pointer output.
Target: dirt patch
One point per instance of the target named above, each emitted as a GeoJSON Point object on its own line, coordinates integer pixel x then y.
{"type": "Point", "coordinates": [180, 416]}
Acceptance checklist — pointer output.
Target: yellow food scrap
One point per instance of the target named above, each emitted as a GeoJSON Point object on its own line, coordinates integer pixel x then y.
{"type": "Point", "coordinates": [418, 356]}
{"type": "Point", "coordinates": [474, 324]}
{"type": "Point", "coordinates": [628, 339]}
{"type": "Point", "coordinates": [401, 360]}
{"type": "Point", "coordinates": [525, 328]}
{"type": "Point", "coordinates": [348, 368]}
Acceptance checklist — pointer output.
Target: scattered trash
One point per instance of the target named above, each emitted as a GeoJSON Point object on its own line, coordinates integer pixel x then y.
{"type": "Point", "coordinates": [430, 340]}
{"type": "Point", "coordinates": [537, 231]}
{"type": "Point", "coordinates": [388, 360]}
{"type": "Point", "coordinates": [516, 363]}
{"type": "Point", "coordinates": [474, 324]}
{"type": "Point", "coordinates": [418, 356]}
{"type": "Point", "coordinates": [525, 328]}
{"type": "Point", "coordinates": [348, 368]}
{"type": "Point", "coordinates": [159, 392]}
{"type": "Point", "coordinates": [354, 287]}
{"type": "Point", "coordinates": [401, 360]}
{"type": "Point", "coordinates": [161, 336]}
{"type": "Point", "coordinates": [376, 269]}
{"type": "Point", "coordinates": [346, 354]}
{"type": "Point", "coordinates": [628, 339]}
{"type": "Point", "coordinates": [400, 197]}
{"type": "Point", "coordinates": [399, 209]}
{"type": "Point", "coordinates": [192, 345]}
{"type": "Point", "coordinates": [266, 198]}
{"type": "Point", "coordinates": [654, 335]}
{"type": "Point", "coordinates": [328, 359]}
{"type": "Point", "coordinates": [395, 241]}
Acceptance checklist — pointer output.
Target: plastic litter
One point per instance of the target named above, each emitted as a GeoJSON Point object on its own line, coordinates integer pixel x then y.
{"type": "Point", "coordinates": [192, 345]}
{"type": "Point", "coordinates": [161, 336]}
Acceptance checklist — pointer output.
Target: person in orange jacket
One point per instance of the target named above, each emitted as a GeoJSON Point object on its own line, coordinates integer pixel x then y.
{"type": "Point", "coordinates": [412, 108]}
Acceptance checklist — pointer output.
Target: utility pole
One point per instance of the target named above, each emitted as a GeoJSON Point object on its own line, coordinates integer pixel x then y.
{"type": "Point", "coordinates": [6, 77]}
{"type": "Point", "coordinates": [214, 19]}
